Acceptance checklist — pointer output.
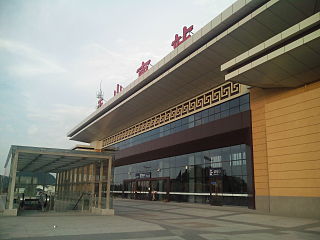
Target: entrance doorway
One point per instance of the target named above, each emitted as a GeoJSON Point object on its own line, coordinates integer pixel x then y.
{"type": "Point", "coordinates": [151, 189]}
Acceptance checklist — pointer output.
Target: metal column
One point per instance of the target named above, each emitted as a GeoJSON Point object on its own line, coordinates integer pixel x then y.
{"type": "Point", "coordinates": [100, 185]}
{"type": "Point", "coordinates": [108, 183]}
{"type": "Point", "coordinates": [12, 183]}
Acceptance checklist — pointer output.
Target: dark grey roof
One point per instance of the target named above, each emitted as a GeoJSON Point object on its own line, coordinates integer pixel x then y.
{"type": "Point", "coordinates": [36, 159]}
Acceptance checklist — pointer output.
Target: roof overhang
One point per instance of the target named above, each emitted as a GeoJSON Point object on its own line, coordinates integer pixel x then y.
{"type": "Point", "coordinates": [53, 160]}
{"type": "Point", "coordinates": [195, 66]}
{"type": "Point", "coordinates": [289, 59]}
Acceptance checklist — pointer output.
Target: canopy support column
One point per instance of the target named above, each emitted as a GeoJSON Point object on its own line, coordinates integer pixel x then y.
{"type": "Point", "coordinates": [109, 183]}
{"type": "Point", "coordinates": [12, 183]}
{"type": "Point", "coordinates": [100, 185]}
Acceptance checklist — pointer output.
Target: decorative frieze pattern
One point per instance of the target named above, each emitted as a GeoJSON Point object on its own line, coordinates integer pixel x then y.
{"type": "Point", "coordinates": [208, 99]}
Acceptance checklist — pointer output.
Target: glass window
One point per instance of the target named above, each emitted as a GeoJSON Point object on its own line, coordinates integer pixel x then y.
{"type": "Point", "coordinates": [205, 113]}
{"type": "Point", "coordinates": [190, 159]}
{"type": "Point", "coordinates": [172, 125]}
{"type": "Point", "coordinates": [173, 130]}
{"type": "Point", "coordinates": [225, 114]}
{"type": "Point", "coordinates": [224, 106]}
{"type": "Point", "coordinates": [244, 107]}
{"type": "Point", "coordinates": [182, 161]}
{"type": "Point", "coordinates": [236, 167]}
{"type": "Point", "coordinates": [227, 168]}
{"type": "Point", "coordinates": [223, 110]}
{"type": "Point", "coordinates": [172, 162]}
{"type": "Point", "coordinates": [184, 121]}
{"type": "Point", "coordinates": [178, 129]}
{"type": "Point", "coordinates": [198, 171]}
{"type": "Point", "coordinates": [191, 172]}
{"type": "Point", "coordinates": [234, 102]}
{"type": "Point", "coordinates": [225, 154]}
{"type": "Point", "coordinates": [217, 109]}
{"type": "Point", "coordinates": [186, 177]}
{"type": "Point", "coordinates": [244, 167]}
{"type": "Point", "coordinates": [178, 123]}
{"type": "Point", "coordinates": [198, 158]}
{"type": "Point", "coordinates": [205, 120]}
{"type": "Point", "coordinates": [211, 111]}
{"type": "Point", "coordinates": [244, 184]}
{"type": "Point", "coordinates": [217, 116]}
{"type": "Point", "coordinates": [234, 110]}
{"type": "Point", "coordinates": [184, 127]}
{"type": "Point", "coordinates": [197, 116]}
{"type": "Point", "coordinates": [244, 99]}
{"type": "Point", "coordinates": [174, 172]}
{"type": "Point", "coordinates": [165, 172]}
{"type": "Point", "coordinates": [206, 157]}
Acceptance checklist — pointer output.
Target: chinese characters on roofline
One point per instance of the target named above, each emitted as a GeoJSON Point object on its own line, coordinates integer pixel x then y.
{"type": "Point", "coordinates": [119, 89]}
{"type": "Point", "coordinates": [145, 65]}
{"type": "Point", "coordinates": [100, 94]}
{"type": "Point", "coordinates": [185, 35]}
{"type": "Point", "coordinates": [177, 41]}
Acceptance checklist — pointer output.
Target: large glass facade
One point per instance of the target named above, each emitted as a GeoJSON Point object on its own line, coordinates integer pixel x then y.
{"type": "Point", "coordinates": [234, 106]}
{"type": "Point", "coordinates": [188, 177]}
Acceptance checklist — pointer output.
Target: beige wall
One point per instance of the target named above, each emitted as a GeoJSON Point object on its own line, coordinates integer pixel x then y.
{"type": "Point", "coordinates": [286, 143]}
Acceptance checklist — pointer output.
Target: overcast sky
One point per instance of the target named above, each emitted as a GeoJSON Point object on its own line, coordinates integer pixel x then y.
{"type": "Point", "coordinates": [54, 53]}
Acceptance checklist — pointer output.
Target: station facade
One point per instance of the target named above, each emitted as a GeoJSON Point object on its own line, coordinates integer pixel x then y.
{"type": "Point", "coordinates": [230, 117]}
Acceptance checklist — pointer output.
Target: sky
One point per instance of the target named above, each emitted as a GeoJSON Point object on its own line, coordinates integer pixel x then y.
{"type": "Point", "coordinates": [53, 55]}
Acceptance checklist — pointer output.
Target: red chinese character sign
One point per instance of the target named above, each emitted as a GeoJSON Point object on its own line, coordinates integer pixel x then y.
{"type": "Point", "coordinates": [119, 89]}
{"type": "Point", "coordinates": [185, 35]}
{"type": "Point", "coordinates": [143, 68]}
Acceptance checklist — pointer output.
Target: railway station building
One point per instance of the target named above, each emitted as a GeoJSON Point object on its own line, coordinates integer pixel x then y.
{"type": "Point", "coordinates": [233, 111]}
{"type": "Point", "coordinates": [231, 116]}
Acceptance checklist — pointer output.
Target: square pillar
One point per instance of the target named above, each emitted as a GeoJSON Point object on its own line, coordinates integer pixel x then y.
{"type": "Point", "coordinates": [108, 183]}
{"type": "Point", "coordinates": [107, 210]}
{"type": "Point", "coordinates": [56, 189]}
{"type": "Point", "coordinates": [12, 182]}
{"type": "Point", "coordinates": [92, 177]}
{"type": "Point", "coordinates": [100, 185]}
{"type": "Point", "coordinates": [92, 182]}
{"type": "Point", "coordinates": [63, 185]}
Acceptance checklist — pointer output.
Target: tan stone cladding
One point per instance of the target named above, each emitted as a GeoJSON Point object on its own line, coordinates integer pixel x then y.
{"type": "Point", "coordinates": [286, 143]}
{"type": "Point", "coordinates": [208, 99]}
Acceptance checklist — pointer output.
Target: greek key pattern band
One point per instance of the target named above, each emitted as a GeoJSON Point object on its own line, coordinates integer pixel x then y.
{"type": "Point", "coordinates": [208, 99]}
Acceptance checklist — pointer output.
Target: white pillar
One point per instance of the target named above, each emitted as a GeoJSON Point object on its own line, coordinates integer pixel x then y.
{"type": "Point", "coordinates": [100, 185]}
{"type": "Point", "coordinates": [12, 183]}
{"type": "Point", "coordinates": [92, 170]}
{"type": "Point", "coordinates": [108, 183]}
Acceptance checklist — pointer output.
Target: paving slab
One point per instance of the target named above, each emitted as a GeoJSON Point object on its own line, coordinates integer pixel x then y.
{"type": "Point", "coordinates": [262, 236]}
{"type": "Point", "coordinates": [215, 225]}
{"type": "Point", "coordinates": [158, 221]}
{"type": "Point", "coordinates": [19, 227]}
{"type": "Point", "coordinates": [276, 221]}
{"type": "Point", "coordinates": [199, 212]}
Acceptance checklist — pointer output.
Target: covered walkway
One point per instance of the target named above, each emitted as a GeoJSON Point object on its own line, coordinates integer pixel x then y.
{"type": "Point", "coordinates": [63, 162]}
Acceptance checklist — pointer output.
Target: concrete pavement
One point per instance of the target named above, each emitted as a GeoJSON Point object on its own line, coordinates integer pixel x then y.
{"type": "Point", "coordinates": [159, 221]}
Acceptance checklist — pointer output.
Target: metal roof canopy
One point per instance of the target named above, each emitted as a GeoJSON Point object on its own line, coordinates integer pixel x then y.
{"type": "Point", "coordinates": [53, 160]}
{"type": "Point", "coordinates": [195, 66]}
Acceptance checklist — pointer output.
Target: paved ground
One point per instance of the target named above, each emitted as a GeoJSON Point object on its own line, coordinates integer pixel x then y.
{"type": "Point", "coordinates": [159, 221]}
